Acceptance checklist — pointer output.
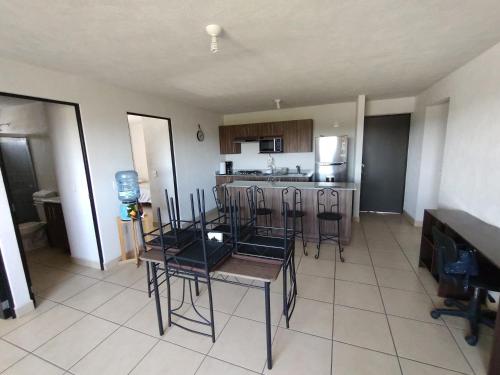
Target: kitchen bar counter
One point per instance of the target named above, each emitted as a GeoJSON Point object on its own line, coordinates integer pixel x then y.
{"type": "Point", "coordinates": [272, 193]}
{"type": "Point", "coordinates": [299, 185]}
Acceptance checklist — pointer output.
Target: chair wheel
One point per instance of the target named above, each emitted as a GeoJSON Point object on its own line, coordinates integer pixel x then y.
{"type": "Point", "coordinates": [435, 314]}
{"type": "Point", "coordinates": [471, 340]}
{"type": "Point", "coordinates": [448, 302]}
{"type": "Point", "coordinates": [316, 256]}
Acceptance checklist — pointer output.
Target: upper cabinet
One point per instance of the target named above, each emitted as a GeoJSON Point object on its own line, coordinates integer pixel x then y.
{"type": "Point", "coordinates": [297, 135]}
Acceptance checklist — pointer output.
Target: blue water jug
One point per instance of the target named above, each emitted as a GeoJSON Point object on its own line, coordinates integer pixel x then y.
{"type": "Point", "coordinates": [127, 183]}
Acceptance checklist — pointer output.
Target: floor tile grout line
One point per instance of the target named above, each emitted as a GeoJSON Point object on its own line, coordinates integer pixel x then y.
{"type": "Point", "coordinates": [144, 356]}
{"type": "Point", "coordinates": [446, 325]}
{"type": "Point", "coordinates": [26, 354]}
{"type": "Point", "coordinates": [383, 305]}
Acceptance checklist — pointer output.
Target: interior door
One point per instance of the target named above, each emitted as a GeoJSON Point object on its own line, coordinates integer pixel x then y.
{"type": "Point", "coordinates": [18, 166]}
{"type": "Point", "coordinates": [385, 149]}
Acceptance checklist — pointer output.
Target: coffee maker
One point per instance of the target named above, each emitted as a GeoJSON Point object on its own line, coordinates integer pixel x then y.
{"type": "Point", "coordinates": [226, 167]}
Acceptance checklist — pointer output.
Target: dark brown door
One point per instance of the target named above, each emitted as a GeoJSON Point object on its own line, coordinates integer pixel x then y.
{"type": "Point", "coordinates": [385, 149]}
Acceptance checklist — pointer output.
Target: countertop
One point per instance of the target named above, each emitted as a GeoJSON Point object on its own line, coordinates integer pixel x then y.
{"type": "Point", "coordinates": [299, 185]}
{"type": "Point", "coordinates": [305, 174]}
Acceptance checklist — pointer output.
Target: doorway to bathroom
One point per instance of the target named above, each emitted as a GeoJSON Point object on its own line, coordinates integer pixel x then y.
{"type": "Point", "coordinates": [47, 182]}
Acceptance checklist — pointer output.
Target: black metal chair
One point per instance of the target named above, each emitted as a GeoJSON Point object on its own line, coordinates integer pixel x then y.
{"type": "Point", "coordinates": [328, 211]}
{"type": "Point", "coordinates": [270, 244]}
{"type": "Point", "coordinates": [194, 262]}
{"type": "Point", "coordinates": [257, 203]}
{"type": "Point", "coordinates": [293, 197]}
{"type": "Point", "coordinates": [447, 252]}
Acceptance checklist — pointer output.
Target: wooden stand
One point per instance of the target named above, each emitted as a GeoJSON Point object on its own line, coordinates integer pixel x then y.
{"type": "Point", "coordinates": [132, 226]}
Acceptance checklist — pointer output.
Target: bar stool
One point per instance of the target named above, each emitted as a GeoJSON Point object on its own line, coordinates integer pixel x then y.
{"type": "Point", "coordinates": [221, 197]}
{"type": "Point", "coordinates": [328, 211]}
{"type": "Point", "coordinates": [294, 195]}
{"type": "Point", "coordinates": [257, 205]}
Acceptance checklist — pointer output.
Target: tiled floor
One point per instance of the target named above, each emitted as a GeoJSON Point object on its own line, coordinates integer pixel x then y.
{"type": "Point", "coordinates": [369, 315]}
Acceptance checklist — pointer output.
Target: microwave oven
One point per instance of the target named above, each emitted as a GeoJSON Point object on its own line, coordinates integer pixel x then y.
{"type": "Point", "coordinates": [270, 145]}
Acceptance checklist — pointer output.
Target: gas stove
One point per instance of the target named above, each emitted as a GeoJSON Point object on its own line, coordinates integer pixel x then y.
{"type": "Point", "coordinates": [254, 172]}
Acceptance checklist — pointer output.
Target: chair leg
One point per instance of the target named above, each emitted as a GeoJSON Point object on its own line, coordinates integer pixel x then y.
{"type": "Point", "coordinates": [196, 286]}
{"type": "Point", "coordinates": [474, 312]}
{"type": "Point", "coordinates": [210, 301]}
{"type": "Point", "coordinates": [304, 243]}
{"type": "Point", "coordinates": [341, 250]}
{"type": "Point", "coordinates": [169, 300]}
{"type": "Point", "coordinates": [157, 299]}
{"type": "Point", "coordinates": [319, 240]}
{"type": "Point", "coordinates": [148, 276]}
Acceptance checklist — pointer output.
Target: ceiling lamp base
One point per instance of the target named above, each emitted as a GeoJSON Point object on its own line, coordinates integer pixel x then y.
{"type": "Point", "coordinates": [214, 31]}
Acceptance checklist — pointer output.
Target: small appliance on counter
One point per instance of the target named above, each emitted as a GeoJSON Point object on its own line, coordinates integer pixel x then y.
{"type": "Point", "coordinates": [331, 159]}
{"type": "Point", "coordinates": [226, 167]}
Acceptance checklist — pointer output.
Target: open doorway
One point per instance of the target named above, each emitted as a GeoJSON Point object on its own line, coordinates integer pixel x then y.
{"type": "Point", "coordinates": [46, 177]}
{"type": "Point", "coordinates": [153, 154]}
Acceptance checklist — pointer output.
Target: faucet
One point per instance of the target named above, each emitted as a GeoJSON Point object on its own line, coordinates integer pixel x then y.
{"type": "Point", "coordinates": [298, 169]}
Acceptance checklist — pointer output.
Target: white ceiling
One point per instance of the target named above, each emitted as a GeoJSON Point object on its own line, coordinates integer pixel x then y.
{"type": "Point", "coordinates": [302, 51]}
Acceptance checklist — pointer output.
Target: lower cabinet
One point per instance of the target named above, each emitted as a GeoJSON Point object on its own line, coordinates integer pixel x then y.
{"type": "Point", "coordinates": [56, 228]}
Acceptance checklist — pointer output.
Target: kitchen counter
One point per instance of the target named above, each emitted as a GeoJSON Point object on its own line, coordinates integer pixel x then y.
{"type": "Point", "coordinates": [306, 174]}
{"type": "Point", "coordinates": [309, 192]}
{"type": "Point", "coordinates": [299, 185]}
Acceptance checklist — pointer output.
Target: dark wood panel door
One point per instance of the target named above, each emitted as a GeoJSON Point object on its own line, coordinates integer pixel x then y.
{"type": "Point", "coordinates": [385, 149]}
{"type": "Point", "coordinates": [290, 137]}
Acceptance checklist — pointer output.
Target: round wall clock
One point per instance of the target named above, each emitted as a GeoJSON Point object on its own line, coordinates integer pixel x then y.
{"type": "Point", "coordinates": [199, 134]}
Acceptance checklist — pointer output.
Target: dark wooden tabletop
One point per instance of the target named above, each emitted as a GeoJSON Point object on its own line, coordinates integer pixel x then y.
{"type": "Point", "coordinates": [483, 236]}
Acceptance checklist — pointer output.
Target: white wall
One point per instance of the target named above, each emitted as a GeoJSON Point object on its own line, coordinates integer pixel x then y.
{"type": "Point", "coordinates": [138, 147]}
{"type": "Point", "coordinates": [29, 120]}
{"type": "Point", "coordinates": [470, 174]}
{"type": "Point", "coordinates": [324, 118]}
{"type": "Point", "coordinates": [159, 163]}
{"type": "Point", "coordinates": [72, 183]}
{"type": "Point", "coordinates": [394, 106]}
{"type": "Point", "coordinates": [104, 116]}
{"type": "Point", "coordinates": [436, 117]}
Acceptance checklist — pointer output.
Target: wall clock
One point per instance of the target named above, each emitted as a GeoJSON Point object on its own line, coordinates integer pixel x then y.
{"type": "Point", "coordinates": [199, 134]}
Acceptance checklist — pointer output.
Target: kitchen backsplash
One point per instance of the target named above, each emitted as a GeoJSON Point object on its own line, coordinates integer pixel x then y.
{"type": "Point", "coordinates": [251, 159]}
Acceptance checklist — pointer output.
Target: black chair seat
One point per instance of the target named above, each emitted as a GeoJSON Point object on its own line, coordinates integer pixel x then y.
{"type": "Point", "coordinates": [264, 246]}
{"type": "Point", "coordinates": [263, 211]}
{"type": "Point", "coordinates": [333, 216]}
{"type": "Point", "coordinates": [290, 213]}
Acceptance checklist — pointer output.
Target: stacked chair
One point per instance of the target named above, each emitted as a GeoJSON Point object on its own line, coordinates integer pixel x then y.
{"type": "Point", "coordinates": [181, 249]}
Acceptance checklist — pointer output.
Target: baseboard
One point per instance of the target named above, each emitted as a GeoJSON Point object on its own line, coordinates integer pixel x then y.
{"type": "Point", "coordinates": [24, 309]}
{"type": "Point", "coordinates": [86, 263]}
{"type": "Point", "coordinates": [415, 223]}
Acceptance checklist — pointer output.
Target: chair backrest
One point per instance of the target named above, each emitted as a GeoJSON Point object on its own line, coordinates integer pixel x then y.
{"type": "Point", "coordinates": [221, 197]}
{"type": "Point", "coordinates": [255, 198]}
{"type": "Point", "coordinates": [446, 250]}
{"type": "Point", "coordinates": [291, 197]}
{"type": "Point", "coordinates": [327, 200]}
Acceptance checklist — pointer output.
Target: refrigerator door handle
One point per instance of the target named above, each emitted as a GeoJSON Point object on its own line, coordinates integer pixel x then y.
{"type": "Point", "coordinates": [336, 163]}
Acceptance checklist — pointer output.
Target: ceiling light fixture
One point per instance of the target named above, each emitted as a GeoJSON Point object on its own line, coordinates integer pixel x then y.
{"type": "Point", "coordinates": [278, 103]}
{"type": "Point", "coordinates": [213, 31]}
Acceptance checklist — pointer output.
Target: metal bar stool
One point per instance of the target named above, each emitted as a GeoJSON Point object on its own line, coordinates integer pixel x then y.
{"type": "Point", "coordinates": [293, 197]}
{"type": "Point", "coordinates": [221, 197]}
{"type": "Point", "coordinates": [328, 211]}
{"type": "Point", "coordinates": [257, 205]}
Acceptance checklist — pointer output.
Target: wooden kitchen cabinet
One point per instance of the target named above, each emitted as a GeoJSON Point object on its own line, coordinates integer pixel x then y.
{"type": "Point", "coordinates": [227, 134]}
{"type": "Point", "coordinates": [304, 136]}
{"type": "Point", "coordinates": [297, 135]}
